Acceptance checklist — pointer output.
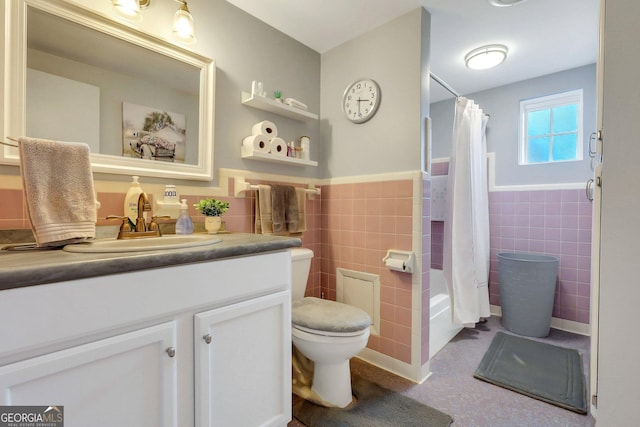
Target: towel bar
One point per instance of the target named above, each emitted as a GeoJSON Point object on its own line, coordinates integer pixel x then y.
{"type": "Point", "coordinates": [240, 186]}
{"type": "Point", "coordinates": [8, 144]}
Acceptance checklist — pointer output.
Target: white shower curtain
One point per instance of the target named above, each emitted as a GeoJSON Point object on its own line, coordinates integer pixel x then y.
{"type": "Point", "coordinates": [466, 225]}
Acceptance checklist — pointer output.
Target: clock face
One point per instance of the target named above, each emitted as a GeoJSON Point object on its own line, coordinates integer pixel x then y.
{"type": "Point", "coordinates": [361, 100]}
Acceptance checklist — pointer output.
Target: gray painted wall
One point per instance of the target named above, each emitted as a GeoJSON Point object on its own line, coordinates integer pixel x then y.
{"type": "Point", "coordinates": [247, 49]}
{"type": "Point", "coordinates": [503, 104]}
{"type": "Point", "coordinates": [396, 56]}
{"type": "Point", "coordinates": [244, 49]}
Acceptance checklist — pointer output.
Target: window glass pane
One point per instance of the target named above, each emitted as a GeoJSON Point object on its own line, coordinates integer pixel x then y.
{"type": "Point", "coordinates": [551, 128]}
{"type": "Point", "coordinates": [564, 147]}
{"type": "Point", "coordinates": [538, 150]}
{"type": "Point", "coordinates": [538, 122]}
{"type": "Point", "coordinates": [565, 118]}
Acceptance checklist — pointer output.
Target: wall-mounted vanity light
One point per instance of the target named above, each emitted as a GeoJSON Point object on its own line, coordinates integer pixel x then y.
{"type": "Point", "coordinates": [486, 57]}
{"type": "Point", "coordinates": [183, 28]}
{"type": "Point", "coordinates": [130, 9]}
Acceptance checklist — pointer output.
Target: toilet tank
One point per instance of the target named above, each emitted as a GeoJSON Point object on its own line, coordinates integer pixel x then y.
{"type": "Point", "coordinates": [300, 266]}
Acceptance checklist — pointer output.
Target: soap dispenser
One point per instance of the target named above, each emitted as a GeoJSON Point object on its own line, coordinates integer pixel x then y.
{"type": "Point", "coordinates": [131, 200]}
{"type": "Point", "coordinates": [184, 225]}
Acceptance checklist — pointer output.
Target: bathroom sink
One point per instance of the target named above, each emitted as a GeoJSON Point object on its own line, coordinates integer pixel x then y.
{"type": "Point", "coordinates": [172, 241]}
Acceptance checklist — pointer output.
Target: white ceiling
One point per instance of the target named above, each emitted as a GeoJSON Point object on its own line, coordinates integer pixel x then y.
{"type": "Point", "coordinates": [543, 36]}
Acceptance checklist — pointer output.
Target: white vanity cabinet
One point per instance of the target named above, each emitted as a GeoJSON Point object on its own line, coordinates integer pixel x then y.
{"type": "Point", "coordinates": [128, 379]}
{"type": "Point", "coordinates": [246, 366]}
{"type": "Point", "coordinates": [132, 348]}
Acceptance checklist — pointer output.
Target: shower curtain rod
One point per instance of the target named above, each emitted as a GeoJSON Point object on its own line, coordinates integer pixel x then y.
{"type": "Point", "coordinates": [444, 85]}
{"type": "Point", "coordinates": [449, 88]}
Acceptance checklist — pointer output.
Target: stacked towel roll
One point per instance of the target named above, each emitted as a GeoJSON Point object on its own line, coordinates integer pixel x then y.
{"type": "Point", "coordinates": [296, 104]}
{"type": "Point", "coordinates": [264, 139]}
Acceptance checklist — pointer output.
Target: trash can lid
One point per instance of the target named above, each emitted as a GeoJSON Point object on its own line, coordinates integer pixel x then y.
{"type": "Point", "coordinates": [524, 256]}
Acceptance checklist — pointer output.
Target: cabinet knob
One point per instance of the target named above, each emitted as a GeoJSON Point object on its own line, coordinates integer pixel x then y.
{"type": "Point", "coordinates": [207, 338]}
{"type": "Point", "coordinates": [171, 351]}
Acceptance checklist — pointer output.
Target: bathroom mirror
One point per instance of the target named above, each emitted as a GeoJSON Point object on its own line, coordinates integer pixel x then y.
{"type": "Point", "coordinates": [144, 105]}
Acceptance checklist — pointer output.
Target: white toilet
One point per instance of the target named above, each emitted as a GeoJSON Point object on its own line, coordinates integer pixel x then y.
{"type": "Point", "coordinates": [327, 332]}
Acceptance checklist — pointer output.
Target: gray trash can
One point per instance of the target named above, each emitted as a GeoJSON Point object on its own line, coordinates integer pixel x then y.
{"type": "Point", "coordinates": [527, 289]}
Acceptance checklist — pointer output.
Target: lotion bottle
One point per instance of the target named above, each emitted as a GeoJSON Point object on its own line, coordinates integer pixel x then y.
{"type": "Point", "coordinates": [184, 224]}
{"type": "Point", "coordinates": [131, 200]}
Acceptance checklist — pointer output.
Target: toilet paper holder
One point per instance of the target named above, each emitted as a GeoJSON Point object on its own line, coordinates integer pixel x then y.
{"type": "Point", "coordinates": [398, 260]}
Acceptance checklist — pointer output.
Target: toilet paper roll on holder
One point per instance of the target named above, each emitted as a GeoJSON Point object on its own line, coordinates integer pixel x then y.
{"type": "Point", "coordinates": [398, 260]}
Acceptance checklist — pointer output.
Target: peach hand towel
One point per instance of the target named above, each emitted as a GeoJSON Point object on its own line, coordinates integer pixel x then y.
{"type": "Point", "coordinates": [58, 188]}
{"type": "Point", "coordinates": [264, 220]}
{"type": "Point", "coordinates": [301, 195]}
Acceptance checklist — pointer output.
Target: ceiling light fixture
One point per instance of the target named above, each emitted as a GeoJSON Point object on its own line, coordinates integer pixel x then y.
{"type": "Point", "coordinates": [183, 24]}
{"type": "Point", "coordinates": [504, 3]}
{"type": "Point", "coordinates": [486, 57]}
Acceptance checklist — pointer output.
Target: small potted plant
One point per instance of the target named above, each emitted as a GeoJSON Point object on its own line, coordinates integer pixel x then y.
{"type": "Point", "coordinates": [277, 95]}
{"type": "Point", "coordinates": [212, 209]}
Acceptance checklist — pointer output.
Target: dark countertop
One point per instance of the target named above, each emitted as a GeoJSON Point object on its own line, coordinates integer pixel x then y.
{"type": "Point", "coordinates": [37, 267]}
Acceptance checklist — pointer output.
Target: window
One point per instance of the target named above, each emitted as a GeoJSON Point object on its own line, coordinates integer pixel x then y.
{"type": "Point", "coordinates": [551, 128]}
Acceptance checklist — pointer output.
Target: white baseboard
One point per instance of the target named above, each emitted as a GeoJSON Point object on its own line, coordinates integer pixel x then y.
{"type": "Point", "coordinates": [395, 366]}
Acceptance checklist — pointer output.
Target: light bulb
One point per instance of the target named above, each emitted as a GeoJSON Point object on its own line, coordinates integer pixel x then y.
{"type": "Point", "coordinates": [129, 9]}
{"type": "Point", "coordinates": [183, 27]}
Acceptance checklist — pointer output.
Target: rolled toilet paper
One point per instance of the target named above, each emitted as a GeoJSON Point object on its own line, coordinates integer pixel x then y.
{"type": "Point", "coordinates": [396, 264]}
{"type": "Point", "coordinates": [265, 127]}
{"type": "Point", "coordinates": [258, 142]}
{"type": "Point", "coordinates": [278, 147]}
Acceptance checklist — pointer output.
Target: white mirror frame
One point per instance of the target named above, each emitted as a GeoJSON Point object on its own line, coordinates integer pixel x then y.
{"type": "Point", "coordinates": [13, 123]}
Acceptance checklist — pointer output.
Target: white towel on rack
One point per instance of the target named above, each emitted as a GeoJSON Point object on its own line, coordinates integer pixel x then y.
{"type": "Point", "coordinates": [296, 104]}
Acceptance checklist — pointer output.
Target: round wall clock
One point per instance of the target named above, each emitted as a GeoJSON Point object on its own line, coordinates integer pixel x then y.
{"type": "Point", "coordinates": [361, 100]}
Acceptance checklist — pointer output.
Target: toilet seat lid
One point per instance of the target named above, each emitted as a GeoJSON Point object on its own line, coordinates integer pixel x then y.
{"type": "Point", "coordinates": [327, 333]}
{"type": "Point", "coordinates": [329, 316]}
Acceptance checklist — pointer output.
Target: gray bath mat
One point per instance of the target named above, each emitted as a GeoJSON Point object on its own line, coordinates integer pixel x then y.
{"type": "Point", "coordinates": [543, 371]}
{"type": "Point", "coordinates": [375, 406]}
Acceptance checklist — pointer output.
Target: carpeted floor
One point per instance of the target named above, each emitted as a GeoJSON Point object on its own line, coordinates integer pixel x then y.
{"type": "Point", "coordinates": [474, 403]}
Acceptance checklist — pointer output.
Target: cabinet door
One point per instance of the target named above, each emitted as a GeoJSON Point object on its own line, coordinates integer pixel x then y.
{"type": "Point", "coordinates": [125, 380]}
{"type": "Point", "coordinates": [243, 363]}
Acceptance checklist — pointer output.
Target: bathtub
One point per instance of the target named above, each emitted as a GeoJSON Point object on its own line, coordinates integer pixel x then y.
{"type": "Point", "coordinates": [441, 328]}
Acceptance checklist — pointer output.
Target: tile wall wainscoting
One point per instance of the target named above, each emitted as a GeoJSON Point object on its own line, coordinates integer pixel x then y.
{"type": "Point", "coordinates": [551, 222]}
{"type": "Point", "coordinates": [351, 225]}
{"type": "Point", "coordinates": [360, 222]}
{"type": "Point", "coordinates": [363, 217]}
{"type": "Point", "coordinates": [355, 220]}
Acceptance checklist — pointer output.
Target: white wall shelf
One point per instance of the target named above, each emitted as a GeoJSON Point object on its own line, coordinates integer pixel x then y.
{"type": "Point", "coordinates": [274, 158]}
{"type": "Point", "coordinates": [266, 104]}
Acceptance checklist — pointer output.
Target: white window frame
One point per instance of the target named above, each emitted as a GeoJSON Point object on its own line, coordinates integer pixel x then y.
{"type": "Point", "coordinates": [543, 103]}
